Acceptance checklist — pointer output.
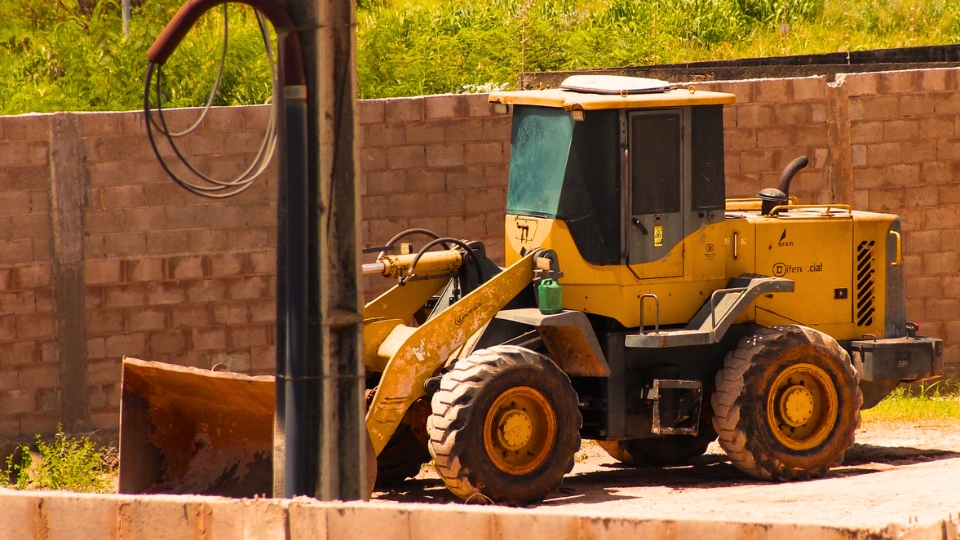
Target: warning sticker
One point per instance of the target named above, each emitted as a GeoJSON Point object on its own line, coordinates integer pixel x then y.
{"type": "Point", "coordinates": [658, 236]}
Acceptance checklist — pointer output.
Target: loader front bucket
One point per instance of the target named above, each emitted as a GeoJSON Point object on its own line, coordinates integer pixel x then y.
{"type": "Point", "coordinates": [187, 430]}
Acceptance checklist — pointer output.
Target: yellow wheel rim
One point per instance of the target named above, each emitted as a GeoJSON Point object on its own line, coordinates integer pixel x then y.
{"type": "Point", "coordinates": [802, 407]}
{"type": "Point", "coordinates": [520, 430]}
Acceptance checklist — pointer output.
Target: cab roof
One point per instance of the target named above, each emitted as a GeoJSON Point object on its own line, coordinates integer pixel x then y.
{"type": "Point", "coordinates": [599, 92]}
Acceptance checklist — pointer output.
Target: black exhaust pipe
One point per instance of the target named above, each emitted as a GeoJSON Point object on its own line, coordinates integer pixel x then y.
{"type": "Point", "coordinates": [773, 197]}
{"type": "Point", "coordinates": [789, 172]}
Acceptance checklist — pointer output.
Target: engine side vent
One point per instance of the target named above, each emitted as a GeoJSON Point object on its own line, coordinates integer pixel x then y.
{"type": "Point", "coordinates": [866, 267]}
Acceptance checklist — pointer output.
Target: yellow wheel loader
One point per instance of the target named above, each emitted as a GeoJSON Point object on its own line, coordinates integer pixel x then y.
{"type": "Point", "coordinates": [638, 307]}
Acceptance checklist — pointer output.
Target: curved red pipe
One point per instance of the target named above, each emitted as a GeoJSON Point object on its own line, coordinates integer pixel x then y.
{"type": "Point", "coordinates": [189, 13]}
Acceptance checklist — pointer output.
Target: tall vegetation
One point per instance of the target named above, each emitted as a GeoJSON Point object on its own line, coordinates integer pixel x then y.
{"type": "Point", "coordinates": [72, 54]}
{"type": "Point", "coordinates": [448, 46]}
{"type": "Point", "coordinates": [60, 55]}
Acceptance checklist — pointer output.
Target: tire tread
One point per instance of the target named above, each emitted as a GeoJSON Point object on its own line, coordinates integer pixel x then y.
{"type": "Point", "coordinates": [452, 407]}
{"type": "Point", "coordinates": [728, 400]}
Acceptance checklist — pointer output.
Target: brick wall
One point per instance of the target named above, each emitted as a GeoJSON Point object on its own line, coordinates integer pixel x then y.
{"type": "Point", "coordinates": [169, 275]}
{"type": "Point", "coordinates": [774, 122]}
{"type": "Point", "coordinates": [438, 163]}
{"type": "Point", "coordinates": [29, 372]}
{"type": "Point", "coordinates": [166, 275]}
{"type": "Point", "coordinates": [905, 147]}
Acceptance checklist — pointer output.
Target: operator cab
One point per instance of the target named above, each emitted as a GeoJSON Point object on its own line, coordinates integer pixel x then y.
{"type": "Point", "coordinates": [602, 147]}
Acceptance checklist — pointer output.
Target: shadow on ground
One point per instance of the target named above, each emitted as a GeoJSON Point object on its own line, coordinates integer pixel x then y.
{"type": "Point", "coordinates": [862, 454]}
{"type": "Point", "coordinates": [708, 471]}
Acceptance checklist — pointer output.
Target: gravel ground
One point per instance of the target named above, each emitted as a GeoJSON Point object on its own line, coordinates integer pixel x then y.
{"type": "Point", "coordinates": [894, 474]}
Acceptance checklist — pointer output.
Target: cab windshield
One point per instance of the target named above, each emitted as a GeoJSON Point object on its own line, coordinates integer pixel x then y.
{"type": "Point", "coordinates": [540, 145]}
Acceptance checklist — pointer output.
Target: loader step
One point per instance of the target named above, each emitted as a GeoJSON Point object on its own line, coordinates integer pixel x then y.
{"type": "Point", "coordinates": [715, 316]}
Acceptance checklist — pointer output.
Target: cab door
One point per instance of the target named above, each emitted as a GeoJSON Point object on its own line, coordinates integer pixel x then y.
{"type": "Point", "coordinates": [656, 163]}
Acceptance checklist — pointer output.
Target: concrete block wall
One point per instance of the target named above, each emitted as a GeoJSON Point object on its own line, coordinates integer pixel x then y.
{"type": "Point", "coordinates": [102, 255]}
{"type": "Point", "coordinates": [29, 368]}
{"type": "Point", "coordinates": [169, 275]}
{"type": "Point", "coordinates": [905, 148]}
{"type": "Point", "coordinates": [437, 162]}
{"type": "Point", "coordinates": [774, 122]}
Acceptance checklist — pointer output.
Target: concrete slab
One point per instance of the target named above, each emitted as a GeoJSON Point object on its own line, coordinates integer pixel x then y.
{"type": "Point", "coordinates": [51, 515]}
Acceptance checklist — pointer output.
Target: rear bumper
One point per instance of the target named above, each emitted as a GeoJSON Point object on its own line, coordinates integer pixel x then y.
{"type": "Point", "coordinates": [898, 359]}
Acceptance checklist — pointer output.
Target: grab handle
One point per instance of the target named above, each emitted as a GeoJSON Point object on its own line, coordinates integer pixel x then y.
{"type": "Point", "coordinates": [899, 238]}
{"type": "Point", "coordinates": [656, 303]}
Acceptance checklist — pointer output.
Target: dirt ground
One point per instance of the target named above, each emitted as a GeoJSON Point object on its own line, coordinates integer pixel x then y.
{"type": "Point", "coordinates": [894, 474]}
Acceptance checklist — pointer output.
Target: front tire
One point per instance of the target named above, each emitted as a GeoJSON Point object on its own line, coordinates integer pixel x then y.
{"type": "Point", "coordinates": [406, 451]}
{"type": "Point", "coordinates": [505, 426]}
{"type": "Point", "coordinates": [787, 404]}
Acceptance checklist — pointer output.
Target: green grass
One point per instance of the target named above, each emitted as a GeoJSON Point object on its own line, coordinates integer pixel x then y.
{"type": "Point", "coordinates": [66, 463]}
{"type": "Point", "coordinates": [934, 405]}
{"type": "Point", "coordinates": [72, 55]}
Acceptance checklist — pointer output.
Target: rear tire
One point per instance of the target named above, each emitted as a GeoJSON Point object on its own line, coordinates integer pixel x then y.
{"type": "Point", "coordinates": [663, 451]}
{"type": "Point", "coordinates": [505, 426]}
{"type": "Point", "coordinates": [787, 404]}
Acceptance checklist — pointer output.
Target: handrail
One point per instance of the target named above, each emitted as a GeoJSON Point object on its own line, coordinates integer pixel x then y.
{"type": "Point", "coordinates": [656, 327]}
{"type": "Point", "coordinates": [713, 306]}
{"type": "Point", "coordinates": [899, 238]}
{"type": "Point", "coordinates": [826, 208]}
{"type": "Point", "coordinates": [749, 203]}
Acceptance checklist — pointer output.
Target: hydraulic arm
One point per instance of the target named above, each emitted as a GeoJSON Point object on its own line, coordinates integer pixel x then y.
{"type": "Point", "coordinates": [415, 354]}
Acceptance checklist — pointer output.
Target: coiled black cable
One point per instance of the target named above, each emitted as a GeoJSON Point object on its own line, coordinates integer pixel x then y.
{"type": "Point", "coordinates": [213, 188]}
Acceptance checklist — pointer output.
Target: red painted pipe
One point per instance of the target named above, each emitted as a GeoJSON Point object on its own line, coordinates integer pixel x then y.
{"type": "Point", "coordinates": [189, 13]}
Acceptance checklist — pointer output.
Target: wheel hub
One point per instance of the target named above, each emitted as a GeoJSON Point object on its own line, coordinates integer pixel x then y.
{"type": "Point", "coordinates": [515, 430]}
{"type": "Point", "coordinates": [797, 406]}
{"type": "Point", "coordinates": [520, 430]}
{"type": "Point", "coordinates": [802, 406]}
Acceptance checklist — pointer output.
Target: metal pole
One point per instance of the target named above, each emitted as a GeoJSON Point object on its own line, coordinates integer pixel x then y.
{"type": "Point", "coordinates": [299, 376]}
{"type": "Point", "coordinates": [344, 433]}
{"type": "Point", "coordinates": [320, 429]}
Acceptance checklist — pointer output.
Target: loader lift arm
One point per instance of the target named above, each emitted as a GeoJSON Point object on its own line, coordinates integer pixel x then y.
{"type": "Point", "coordinates": [426, 348]}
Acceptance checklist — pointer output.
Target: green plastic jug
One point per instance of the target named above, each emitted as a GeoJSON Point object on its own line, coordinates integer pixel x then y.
{"type": "Point", "coordinates": [551, 297]}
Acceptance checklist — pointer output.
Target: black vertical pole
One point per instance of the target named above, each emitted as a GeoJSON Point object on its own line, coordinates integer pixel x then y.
{"type": "Point", "coordinates": [296, 427]}
{"type": "Point", "coordinates": [294, 400]}
{"type": "Point", "coordinates": [318, 429]}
